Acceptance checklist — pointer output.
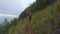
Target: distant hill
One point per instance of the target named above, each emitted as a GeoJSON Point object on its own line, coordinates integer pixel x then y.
{"type": "Point", "coordinates": [8, 18]}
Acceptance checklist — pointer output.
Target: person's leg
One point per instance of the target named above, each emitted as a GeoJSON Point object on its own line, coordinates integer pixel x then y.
{"type": "Point", "coordinates": [30, 18]}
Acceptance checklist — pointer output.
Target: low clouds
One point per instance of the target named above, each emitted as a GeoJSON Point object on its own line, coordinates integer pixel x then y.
{"type": "Point", "coordinates": [7, 15]}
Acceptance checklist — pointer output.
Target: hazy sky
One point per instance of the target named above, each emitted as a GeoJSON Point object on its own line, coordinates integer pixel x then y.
{"type": "Point", "coordinates": [13, 8]}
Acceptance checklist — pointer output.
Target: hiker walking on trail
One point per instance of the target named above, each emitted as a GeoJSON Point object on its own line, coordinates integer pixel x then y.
{"type": "Point", "coordinates": [29, 16]}
{"type": "Point", "coordinates": [30, 24]}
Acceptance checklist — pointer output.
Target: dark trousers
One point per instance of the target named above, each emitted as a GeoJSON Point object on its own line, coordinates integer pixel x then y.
{"type": "Point", "coordinates": [30, 18]}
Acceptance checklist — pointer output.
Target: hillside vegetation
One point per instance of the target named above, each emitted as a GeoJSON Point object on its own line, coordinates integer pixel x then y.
{"type": "Point", "coordinates": [45, 19]}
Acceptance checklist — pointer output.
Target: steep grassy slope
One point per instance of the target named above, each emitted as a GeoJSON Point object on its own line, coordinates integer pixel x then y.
{"type": "Point", "coordinates": [43, 21]}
